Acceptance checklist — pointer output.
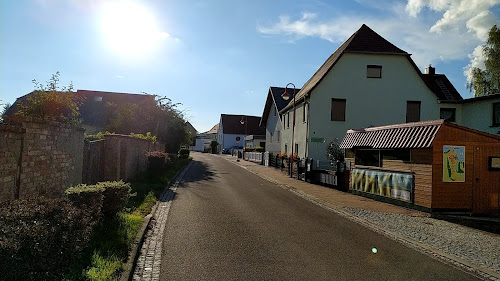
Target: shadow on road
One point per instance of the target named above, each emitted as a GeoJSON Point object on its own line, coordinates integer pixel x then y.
{"type": "Point", "coordinates": [197, 172]}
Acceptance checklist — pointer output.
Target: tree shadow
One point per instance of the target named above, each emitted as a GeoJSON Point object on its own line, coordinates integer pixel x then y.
{"type": "Point", "coordinates": [199, 171]}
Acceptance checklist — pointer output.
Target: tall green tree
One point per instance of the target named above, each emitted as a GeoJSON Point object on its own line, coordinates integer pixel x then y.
{"type": "Point", "coordinates": [52, 103]}
{"type": "Point", "coordinates": [487, 81]}
{"type": "Point", "coordinates": [158, 115]}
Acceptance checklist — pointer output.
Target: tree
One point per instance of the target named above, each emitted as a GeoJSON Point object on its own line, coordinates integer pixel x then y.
{"type": "Point", "coordinates": [487, 81]}
{"type": "Point", "coordinates": [158, 115]}
{"type": "Point", "coordinates": [52, 103]}
{"type": "Point", "coordinates": [333, 152]}
{"type": "Point", "coordinates": [4, 110]}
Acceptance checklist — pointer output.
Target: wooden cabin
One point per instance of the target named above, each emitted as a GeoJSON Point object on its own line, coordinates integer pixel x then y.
{"type": "Point", "coordinates": [435, 165]}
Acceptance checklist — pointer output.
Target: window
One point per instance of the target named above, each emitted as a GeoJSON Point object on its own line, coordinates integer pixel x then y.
{"type": "Point", "coordinates": [402, 154]}
{"type": "Point", "coordinates": [274, 111]}
{"type": "Point", "coordinates": [373, 71]}
{"type": "Point", "coordinates": [338, 110]}
{"type": "Point", "coordinates": [296, 151]}
{"type": "Point", "coordinates": [263, 144]}
{"type": "Point", "coordinates": [288, 119]}
{"type": "Point", "coordinates": [286, 149]}
{"type": "Point", "coordinates": [496, 114]}
{"type": "Point", "coordinates": [412, 111]}
{"type": "Point", "coordinates": [447, 114]}
{"type": "Point", "coordinates": [278, 137]}
{"type": "Point", "coordinates": [271, 137]}
{"type": "Point", "coordinates": [367, 157]}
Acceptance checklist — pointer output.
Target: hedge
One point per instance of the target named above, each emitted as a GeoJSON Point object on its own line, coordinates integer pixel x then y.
{"type": "Point", "coordinates": [89, 197]}
{"type": "Point", "coordinates": [183, 153]}
{"type": "Point", "coordinates": [40, 238]}
{"type": "Point", "coordinates": [116, 194]}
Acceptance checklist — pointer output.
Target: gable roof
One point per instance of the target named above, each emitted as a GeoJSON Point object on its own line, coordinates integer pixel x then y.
{"type": "Point", "coordinates": [274, 98]}
{"type": "Point", "coordinates": [214, 130]}
{"type": "Point", "coordinates": [231, 125]}
{"type": "Point", "coordinates": [442, 87]}
{"type": "Point", "coordinates": [367, 41]}
{"type": "Point", "coordinates": [191, 128]}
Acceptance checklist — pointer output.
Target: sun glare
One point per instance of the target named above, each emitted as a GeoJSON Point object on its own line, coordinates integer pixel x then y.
{"type": "Point", "coordinates": [129, 28]}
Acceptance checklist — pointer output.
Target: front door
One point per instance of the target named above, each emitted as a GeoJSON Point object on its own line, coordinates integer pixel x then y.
{"type": "Point", "coordinates": [486, 184]}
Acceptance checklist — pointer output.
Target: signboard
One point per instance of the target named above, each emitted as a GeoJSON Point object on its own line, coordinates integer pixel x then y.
{"type": "Point", "coordinates": [394, 185]}
{"type": "Point", "coordinates": [494, 163]}
{"type": "Point", "coordinates": [317, 140]}
{"type": "Point", "coordinates": [453, 163]}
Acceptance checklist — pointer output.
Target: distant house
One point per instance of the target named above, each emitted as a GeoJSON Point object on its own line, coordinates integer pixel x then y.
{"type": "Point", "coordinates": [271, 119]}
{"type": "Point", "coordinates": [203, 140]}
{"type": "Point", "coordinates": [94, 111]}
{"type": "Point", "coordinates": [480, 113]}
{"type": "Point", "coordinates": [366, 82]}
{"type": "Point", "coordinates": [234, 128]}
{"type": "Point", "coordinates": [192, 131]}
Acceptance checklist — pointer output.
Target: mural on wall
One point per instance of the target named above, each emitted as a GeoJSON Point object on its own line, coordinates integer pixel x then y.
{"type": "Point", "coordinates": [453, 163]}
{"type": "Point", "coordinates": [393, 185]}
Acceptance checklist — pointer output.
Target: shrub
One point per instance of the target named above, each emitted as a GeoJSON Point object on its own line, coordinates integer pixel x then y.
{"type": "Point", "coordinates": [89, 197]}
{"type": "Point", "coordinates": [259, 149]}
{"type": "Point", "coordinates": [40, 238]}
{"type": "Point", "coordinates": [183, 153]}
{"type": "Point", "coordinates": [157, 161]}
{"type": "Point", "coordinates": [116, 194]}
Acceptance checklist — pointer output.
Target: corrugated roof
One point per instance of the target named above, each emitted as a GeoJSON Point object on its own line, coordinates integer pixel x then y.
{"type": "Point", "coordinates": [407, 135]}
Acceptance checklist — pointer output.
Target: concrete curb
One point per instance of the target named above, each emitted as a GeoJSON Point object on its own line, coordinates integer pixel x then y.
{"type": "Point", "coordinates": [129, 267]}
{"type": "Point", "coordinates": [461, 264]}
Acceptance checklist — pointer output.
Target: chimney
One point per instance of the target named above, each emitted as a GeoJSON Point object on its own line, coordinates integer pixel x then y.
{"type": "Point", "coordinates": [430, 70]}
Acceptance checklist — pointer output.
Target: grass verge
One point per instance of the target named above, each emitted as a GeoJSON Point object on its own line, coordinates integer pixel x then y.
{"type": "Point", "coordinates": [112, 239]}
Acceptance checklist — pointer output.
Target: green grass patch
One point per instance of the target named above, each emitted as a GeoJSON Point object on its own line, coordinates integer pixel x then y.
{"type": "Point", "coordinates": [104, 268]}
{"type": "Point", "coordinates": [112, 239]}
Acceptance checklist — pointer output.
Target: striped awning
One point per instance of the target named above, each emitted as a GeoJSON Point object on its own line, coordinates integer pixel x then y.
{"type": "Point", "coordinates": [408, 135]}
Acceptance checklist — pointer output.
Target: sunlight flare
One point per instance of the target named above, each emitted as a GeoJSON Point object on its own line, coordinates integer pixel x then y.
{"type": "Point", "coordinates": [129, 28]}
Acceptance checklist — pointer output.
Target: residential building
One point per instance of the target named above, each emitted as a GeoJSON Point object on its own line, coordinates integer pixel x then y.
{"type": "Point", "coordinates": [271, 119]}
{"type": "Point", "coordinates": [366, 82]}
{"type": "Point", "coordinates": [234, 128]}
{"type": "Point", "coordinates": [203, 140]}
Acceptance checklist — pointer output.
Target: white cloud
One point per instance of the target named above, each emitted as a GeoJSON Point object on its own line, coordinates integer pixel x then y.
{"type": "Point", "coordinates": [475, 16]}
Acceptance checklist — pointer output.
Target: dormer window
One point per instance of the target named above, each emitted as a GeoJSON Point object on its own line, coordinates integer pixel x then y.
{"type": "Point", "coordinates": [97, 99]}
{"type": "Point", "coordinates": [373, 71]}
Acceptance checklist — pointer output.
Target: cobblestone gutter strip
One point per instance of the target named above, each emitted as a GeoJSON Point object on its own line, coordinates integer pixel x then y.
{"type": "Point", "coordinates": [470, 250]}
{"type": "Point", "coordinates": [149, 257]}
{"type": "Point", "coordinates": [142, 234]}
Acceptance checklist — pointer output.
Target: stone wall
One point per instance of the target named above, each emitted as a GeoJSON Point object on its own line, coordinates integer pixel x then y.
{"type": "Point", "coordinates": [39, 158]}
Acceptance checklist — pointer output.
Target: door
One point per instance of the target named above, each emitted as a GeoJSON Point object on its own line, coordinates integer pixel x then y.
{"type": "Point", "coordinates": [486, 183]}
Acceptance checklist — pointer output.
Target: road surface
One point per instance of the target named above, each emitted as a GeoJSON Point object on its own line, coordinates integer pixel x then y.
{"type": "Point", "coordinates": [226, 223]}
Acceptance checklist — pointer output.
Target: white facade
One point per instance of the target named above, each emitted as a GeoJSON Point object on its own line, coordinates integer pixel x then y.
{"type": "Point", "coordinates": [273, 131]}
{"type": "Point", "coordinates": [368, 101]}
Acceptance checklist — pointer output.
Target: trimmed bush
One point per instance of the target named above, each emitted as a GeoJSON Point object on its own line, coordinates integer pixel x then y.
{"type": "Point", "coordinates": [183, 153]}
{"type": "Point", "coordinates": [40, 238]}
{"type": "Point", "coordinates": [89, 197]}
{"type": "Point", "coordinates": [157, 161]}
{"type": "Point", "coordinates": [116, 194]}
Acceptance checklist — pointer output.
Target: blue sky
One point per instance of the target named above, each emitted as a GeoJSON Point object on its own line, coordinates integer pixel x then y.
{"type": "Point", "coordinates": [221, 56]}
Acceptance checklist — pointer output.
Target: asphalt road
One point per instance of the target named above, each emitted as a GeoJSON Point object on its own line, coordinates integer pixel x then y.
{"type": "Point", "coordinates": [226, 223]}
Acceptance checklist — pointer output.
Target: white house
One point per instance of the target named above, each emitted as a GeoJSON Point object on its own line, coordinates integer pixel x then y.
{"type": "Point", "coordinates": [234, 128]}
{"type": "Point", "coordinates": [366, 82]}
{"type": "Point", "coordinates": [203, 140]}
{"type": "Point", "coordinates": [271, 119]}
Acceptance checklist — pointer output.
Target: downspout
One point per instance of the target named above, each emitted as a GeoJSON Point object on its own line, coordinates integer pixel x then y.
{"type": "Point", "coordinates": [306, 154]}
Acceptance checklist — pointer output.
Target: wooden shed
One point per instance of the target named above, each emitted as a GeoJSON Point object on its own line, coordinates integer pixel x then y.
{"type": "Point", "coordinates": [436, 165]}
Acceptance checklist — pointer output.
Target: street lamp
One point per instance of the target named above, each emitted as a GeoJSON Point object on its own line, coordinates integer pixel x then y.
{"type": "Point", "coordinates": [286, 96]}
{"type": "Point", "coordinates": [244, 121]}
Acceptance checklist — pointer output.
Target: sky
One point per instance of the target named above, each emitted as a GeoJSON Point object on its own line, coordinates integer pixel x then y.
{"type": "Point", "coordinates": [221, 56]}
